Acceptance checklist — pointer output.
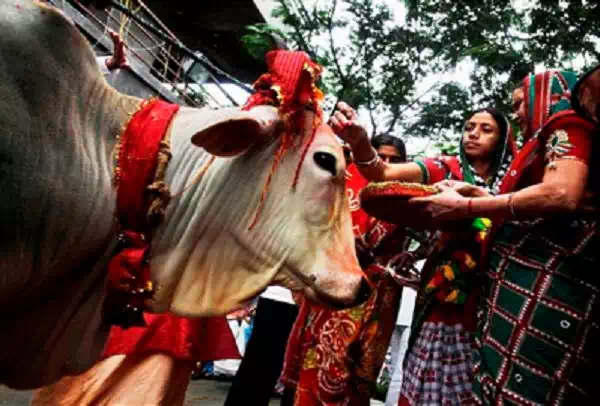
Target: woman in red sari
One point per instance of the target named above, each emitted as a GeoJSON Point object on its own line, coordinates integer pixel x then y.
{"type": "Point", "coordinates": [334, 357]}
{"type": "Point", "coordinates": [438, 362]}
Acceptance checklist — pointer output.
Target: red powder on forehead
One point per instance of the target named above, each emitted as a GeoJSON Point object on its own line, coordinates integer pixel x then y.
{"type": "Point", "coordinates": [290, 85]}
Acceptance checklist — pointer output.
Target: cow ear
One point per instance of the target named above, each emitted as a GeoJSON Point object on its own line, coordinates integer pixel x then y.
{"type": "Point", "coordinates": [231, 132]}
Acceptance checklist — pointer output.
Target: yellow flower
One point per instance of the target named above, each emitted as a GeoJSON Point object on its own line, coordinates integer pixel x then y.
{"type": "Point", "coordinates": [356, 313]}
{"type": "Point", "coordinates": [278, 92]}
{"type": "Point", "coordinates": [452, 296]}
{"type": "Point", "coordinates": [469, 262]}
{"type": "Point", "coordinates": [448, 272]}
{"type": "Point", "coordinates": [310, 359]}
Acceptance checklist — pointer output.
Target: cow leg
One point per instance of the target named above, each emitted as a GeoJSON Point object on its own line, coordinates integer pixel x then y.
{"type": "Point", "coordinates": [136, 379]}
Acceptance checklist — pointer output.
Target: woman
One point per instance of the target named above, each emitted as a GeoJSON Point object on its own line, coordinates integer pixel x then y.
{"type": "Point", "coordinates": [334, 357]}
{"type": "Point", "coordinates": [438, 363]}
{"type": "Point", "coordinates": [540, 317]}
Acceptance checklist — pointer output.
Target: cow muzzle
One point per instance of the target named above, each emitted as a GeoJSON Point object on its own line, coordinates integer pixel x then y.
{"type": "Point", "coordinates": [339, 290]}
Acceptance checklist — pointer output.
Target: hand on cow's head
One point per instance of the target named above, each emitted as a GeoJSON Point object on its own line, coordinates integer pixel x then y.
{"type": "Point", "coordinates": [232, 131]}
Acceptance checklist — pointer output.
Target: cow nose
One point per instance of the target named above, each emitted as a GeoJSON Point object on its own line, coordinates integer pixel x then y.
{"type": "Point", "coordinates": [326, 161]}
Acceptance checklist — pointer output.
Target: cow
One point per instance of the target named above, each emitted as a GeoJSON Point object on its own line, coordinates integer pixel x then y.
{"type": "Point", "coordinates": [60, 121]}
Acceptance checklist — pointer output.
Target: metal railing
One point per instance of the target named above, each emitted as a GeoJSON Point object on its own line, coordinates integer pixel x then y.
{"type": "Point", "coordinates": [149, 43]}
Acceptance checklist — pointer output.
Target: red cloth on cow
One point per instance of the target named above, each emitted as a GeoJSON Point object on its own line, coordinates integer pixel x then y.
{"type": "Point", "coordinates": [186, 339]}
{"type": "Point", "coordinates": [200, 339]}
{"type": "Point", "coordinates": [129, 283]}
{"type": "Point", "coordinates": [137, 160]}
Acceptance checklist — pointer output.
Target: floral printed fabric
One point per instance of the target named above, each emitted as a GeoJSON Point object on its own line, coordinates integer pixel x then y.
{"type": "Point", "coordinates": [334, 357]}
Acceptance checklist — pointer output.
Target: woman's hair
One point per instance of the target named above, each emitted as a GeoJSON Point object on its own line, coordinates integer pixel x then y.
{"type": "Point", "coordinates": [386, 139]}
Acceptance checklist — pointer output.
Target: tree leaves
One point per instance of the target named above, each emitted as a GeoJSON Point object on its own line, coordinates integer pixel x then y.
{"type": "Point", "coordinates": [259, 39]}
{"type": "Point", "coordinates": [377, 61]}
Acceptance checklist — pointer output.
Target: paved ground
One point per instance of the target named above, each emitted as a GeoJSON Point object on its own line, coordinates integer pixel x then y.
{"type": "Point", "coordinates": [200, 392]}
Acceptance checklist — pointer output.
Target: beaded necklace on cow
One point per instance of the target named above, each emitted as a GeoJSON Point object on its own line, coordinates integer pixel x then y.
{"type": "Point", "coordinates": [290, 85]}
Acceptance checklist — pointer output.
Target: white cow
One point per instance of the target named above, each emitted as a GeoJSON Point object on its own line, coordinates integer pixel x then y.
{"type": "Point", "coordinates": [58, 124]}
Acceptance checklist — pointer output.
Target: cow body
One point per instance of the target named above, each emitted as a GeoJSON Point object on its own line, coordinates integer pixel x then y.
{"type": "Point", "coordinates": [59, 121]}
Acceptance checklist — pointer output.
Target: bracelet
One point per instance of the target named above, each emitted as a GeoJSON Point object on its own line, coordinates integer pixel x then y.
{"type": "Point", "coordinates": [371, 162]}
{"type": "Point", "coordinates": [511, 206]}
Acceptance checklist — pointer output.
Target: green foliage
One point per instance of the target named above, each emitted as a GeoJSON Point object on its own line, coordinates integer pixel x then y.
{"type": "Point", "coordinates": [383, 57]}
{"type": "Point", "coordinates": [505, 43]}
{"type": "Point", "coordinates": [259, 39]}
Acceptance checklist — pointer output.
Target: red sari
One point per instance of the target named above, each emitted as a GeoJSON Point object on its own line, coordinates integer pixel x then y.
{"type": "Point", "coordinates": [334, 357]}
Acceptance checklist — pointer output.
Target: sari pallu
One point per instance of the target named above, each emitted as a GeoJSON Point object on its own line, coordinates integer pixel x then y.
{"type": "Point", "coordinates": [539, 319]}
{"type": "Point", "coordinates": [334, 357]}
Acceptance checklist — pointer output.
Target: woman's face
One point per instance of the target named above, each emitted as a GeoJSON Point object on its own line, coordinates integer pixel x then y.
{"type": "Point", "coordinates": [389, 154]}
{"type": "Point", "coordinates": [481, 136]}
{"type": "Point", "coordinates": [518, 105]}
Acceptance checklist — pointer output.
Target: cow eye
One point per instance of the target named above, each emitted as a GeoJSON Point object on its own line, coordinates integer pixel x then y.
{"type": "Point", "coordinates": [326, 161]}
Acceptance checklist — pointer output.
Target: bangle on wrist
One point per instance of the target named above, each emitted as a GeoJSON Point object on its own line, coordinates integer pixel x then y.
{"type": "Point", "coordinates": [371, 162]}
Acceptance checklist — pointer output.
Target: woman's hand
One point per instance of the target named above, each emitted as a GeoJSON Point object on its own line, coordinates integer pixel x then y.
{"type": "Point", "coordinates": [346, 125]}
{"type": "Point", "coordinates": [363, 253]}
{"type": "Point", "coordinates": [403, 271]}
{"type": "Point", "coordinates": [464, 188]}
{"type": "Point", "coordinates": [447, 206]}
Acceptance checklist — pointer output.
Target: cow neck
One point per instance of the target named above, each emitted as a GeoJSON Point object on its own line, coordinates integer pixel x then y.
{"type": "Point", "coordinates": [142, 155]}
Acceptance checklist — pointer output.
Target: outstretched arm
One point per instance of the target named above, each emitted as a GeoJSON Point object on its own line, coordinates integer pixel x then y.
{"type": "Point", "coordinates": [561, 190]}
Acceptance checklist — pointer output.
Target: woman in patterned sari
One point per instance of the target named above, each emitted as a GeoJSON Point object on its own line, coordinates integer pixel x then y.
{"type": "Point", "coordinates": [334, 356]}
{"type": "Point", "coordinates": [539, 319]}
{"type": "Point", "coordinates": [438, 364]}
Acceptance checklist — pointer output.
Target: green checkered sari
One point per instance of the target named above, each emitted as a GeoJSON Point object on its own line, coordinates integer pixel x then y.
{"type": "Point", "coordinates": [539, 319]}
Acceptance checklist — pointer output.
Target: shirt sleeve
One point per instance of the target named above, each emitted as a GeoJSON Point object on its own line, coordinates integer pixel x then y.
{"type": "Point", "coordinates": [569, 139]}
{"type": "Point", "coordinates": [433, 170]}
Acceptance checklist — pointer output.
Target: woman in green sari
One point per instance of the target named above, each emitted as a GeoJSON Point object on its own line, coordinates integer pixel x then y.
{"type": "Point", "coordinates": [539, 319]}
{"type": "Point", "coordinates": [438, 363]}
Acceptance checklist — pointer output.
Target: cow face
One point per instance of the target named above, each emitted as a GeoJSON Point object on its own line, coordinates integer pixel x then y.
{"type": "Point", "coordinates": [252, 227]}
{"type": "Point", "coordinates": [323, 260]}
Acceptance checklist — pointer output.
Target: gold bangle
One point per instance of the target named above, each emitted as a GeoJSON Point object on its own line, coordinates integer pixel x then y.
{"type": "Point", "coordinates": [371, 162]}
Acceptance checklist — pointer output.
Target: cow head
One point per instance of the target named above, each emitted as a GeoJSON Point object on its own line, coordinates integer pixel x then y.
{"type": "Point", "coordinates": [302, 237]}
